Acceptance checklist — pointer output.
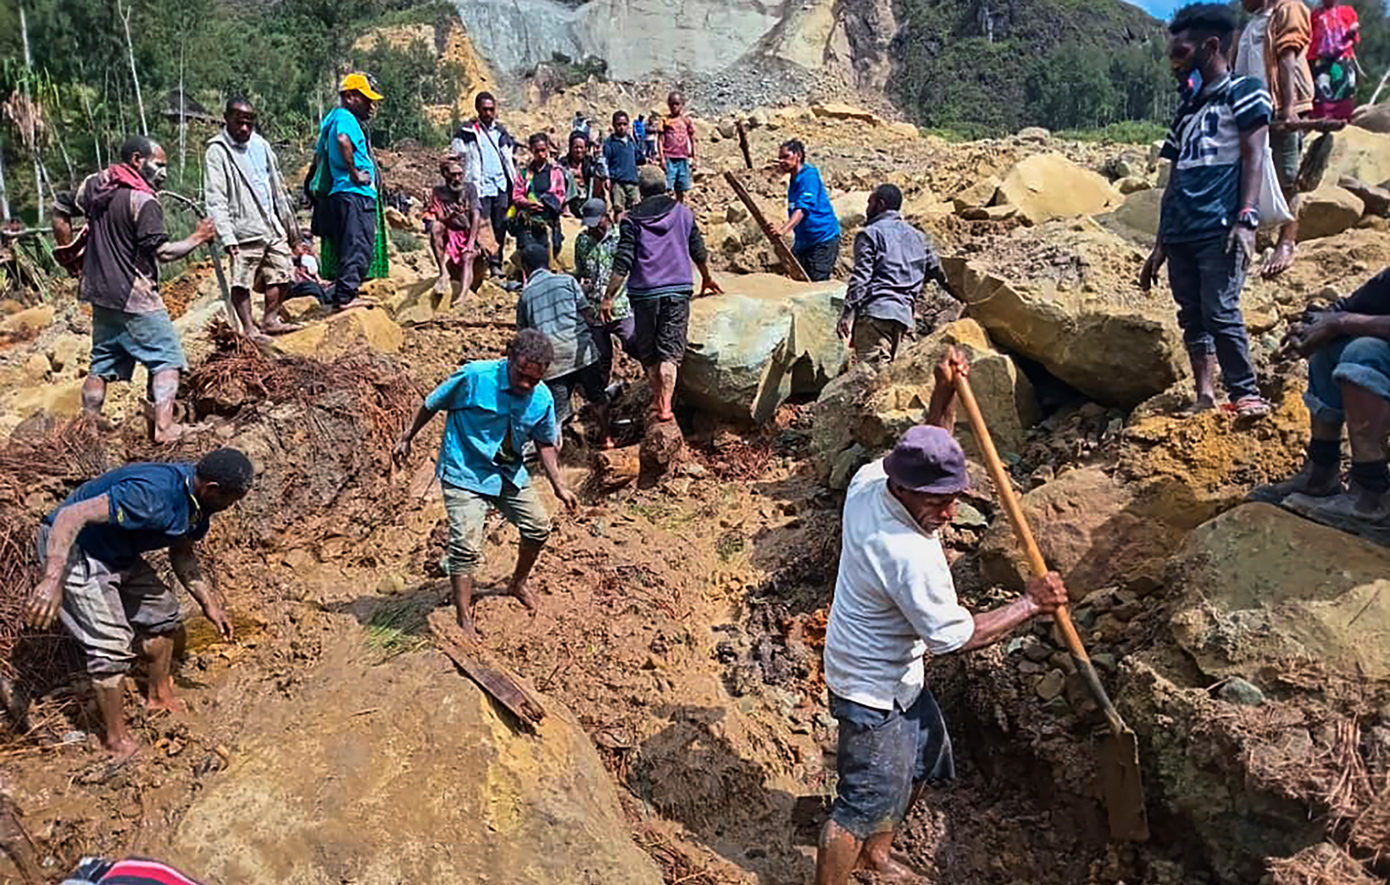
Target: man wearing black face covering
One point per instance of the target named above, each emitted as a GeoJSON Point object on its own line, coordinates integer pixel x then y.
{"type": "Point", "coordinates": [1210, 209]}
{"type": "Point", "coordinates": [126, 243]}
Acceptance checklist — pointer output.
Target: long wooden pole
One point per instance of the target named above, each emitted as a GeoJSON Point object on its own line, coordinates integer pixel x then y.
{"type": "Point", "coordinates": [779, 246]}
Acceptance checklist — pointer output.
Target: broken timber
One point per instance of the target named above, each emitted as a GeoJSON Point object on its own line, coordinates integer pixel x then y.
{"type": "Point", "coordinates": [16, 844]}
{"type": "Point", "coordinates": [779, 246]}
{"type": "Point", "coordinates": [743, 144]}
{"type": "Point", "coordinates": [499, 684]}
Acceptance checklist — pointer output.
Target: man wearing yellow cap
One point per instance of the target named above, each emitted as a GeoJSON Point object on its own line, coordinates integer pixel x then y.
{"type": "Point", "coordinates": [347, 218]}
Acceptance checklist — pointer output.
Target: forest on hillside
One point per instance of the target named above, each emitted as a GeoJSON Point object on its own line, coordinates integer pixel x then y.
{"type": "Point", "coordinates": [79, 75]}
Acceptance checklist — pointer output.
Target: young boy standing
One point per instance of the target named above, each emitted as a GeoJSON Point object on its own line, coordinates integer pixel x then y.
{"type": "Point", "coordinates": [676, 147]}
{"type": "Point", "coordinates": [1210, 209]}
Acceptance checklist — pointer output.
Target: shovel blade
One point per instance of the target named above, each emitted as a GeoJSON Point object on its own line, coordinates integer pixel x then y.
{"type": "Point", "coordinates": [1122, 788]}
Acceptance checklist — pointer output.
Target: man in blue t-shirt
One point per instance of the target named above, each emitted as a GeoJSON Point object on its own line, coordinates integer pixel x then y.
{"type": "Point", "coordinates": [494, 408]}
{"type": "Point", "coordinates": [1210, 210]}
{"type": "Point", "coordinates": [97, 581]}
{"type": "Point", "coordinates": [816, 243]}
{"type": "Point", "coordinates": [349, 222]}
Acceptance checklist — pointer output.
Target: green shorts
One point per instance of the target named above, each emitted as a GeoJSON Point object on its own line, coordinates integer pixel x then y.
{"type": "Point", "coordinates": [467, 513]}
{"type": "Point", "coordinates": [1287, 148]}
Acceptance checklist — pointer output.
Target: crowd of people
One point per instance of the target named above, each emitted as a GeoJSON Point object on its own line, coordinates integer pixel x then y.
{"type": "Point", "coordinates": [635, 260]}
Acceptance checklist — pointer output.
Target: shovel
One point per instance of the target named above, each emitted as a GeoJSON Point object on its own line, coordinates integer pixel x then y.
{"type": "Point", "coordinates": [1119, 753]}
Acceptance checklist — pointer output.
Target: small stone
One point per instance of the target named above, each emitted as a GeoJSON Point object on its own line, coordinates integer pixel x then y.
{"type": "Point", "coordinates": [1014, 645]}
{"type": "Point", "coordinates": [1028, 668]}
{"type": "Point", "coordinates": [967, 517]}
{"type": "Point", "coordinates": [1036, 651]}
{"type": "Point", "coordinates": [1238, 691]}
{"type": "Point", "coordinates": [1057, 706]}
{"type": "Point", "coordinates": [1128, 611]}
{"type": "Point", "coordinates": [1102, 600]}
{"type": "Point", "coordinates": [1062, 661]}
{"type": "Point", "coordinates": [598, 528]}
{"type": "Point", "coordinates": [694, 470]}
{"type": "Point", "coordinates": [1110, 628]}
{"type": "Point", "coordinates": [825, 720]}
{"type": "Point", "coordinates": [1104, 662]}
{"type": "Point", "coordinates": [1051, 685]}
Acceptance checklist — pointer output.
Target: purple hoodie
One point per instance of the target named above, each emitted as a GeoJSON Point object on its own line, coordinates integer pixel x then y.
{"type": "Point", "coordinates": [658, 239]}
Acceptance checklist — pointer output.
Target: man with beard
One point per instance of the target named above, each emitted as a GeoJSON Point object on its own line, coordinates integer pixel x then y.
{"type": "Point", "coordinates": [126, 242]}
{"type": "Point", "coordinates": [453, 216]}
{"type": "Point", "coordinates": [253, 215]}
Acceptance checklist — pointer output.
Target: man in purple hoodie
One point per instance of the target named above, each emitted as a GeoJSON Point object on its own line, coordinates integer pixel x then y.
{"type": "Point", "coordinates": [658, 240]}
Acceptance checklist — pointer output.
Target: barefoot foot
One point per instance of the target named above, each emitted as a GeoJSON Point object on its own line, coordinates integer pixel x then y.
{"type": "Point", "coordinates": [523, 594]}
{"type": "Point", "coordinates": [1280, 261]}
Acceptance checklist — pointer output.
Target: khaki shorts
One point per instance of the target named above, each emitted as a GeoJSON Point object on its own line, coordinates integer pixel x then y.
{"type": "Point", "coordinates": [875, 340]}
{"type": "Point", "coordinates": [467, 513]}
{"type": "Point", "coordinates": [259, 264]}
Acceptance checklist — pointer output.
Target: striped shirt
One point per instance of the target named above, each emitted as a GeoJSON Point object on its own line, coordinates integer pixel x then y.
{"type": "Point", "coordinates": [131, 871]}
{"type": "Point", "coordinates": [552, 303]}
{"type": "Point", "coordinates": [1203, 194]}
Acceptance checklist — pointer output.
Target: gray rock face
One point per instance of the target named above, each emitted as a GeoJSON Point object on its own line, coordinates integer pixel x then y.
{"type": "Point", "coordinates": [706, 35]}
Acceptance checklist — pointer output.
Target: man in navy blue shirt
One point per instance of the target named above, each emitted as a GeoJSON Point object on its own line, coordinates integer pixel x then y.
{"type": "Point", "coordinates": [97, 581]}
{"type": "Point", "coordinates": [1210, 209]}
{"type": "Point", "coordinates": [816, 243]}
{"type": "Point", "coordinates": [621, 152]}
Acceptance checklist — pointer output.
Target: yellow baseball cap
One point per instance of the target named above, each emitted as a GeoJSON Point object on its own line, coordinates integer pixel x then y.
{"type": "Point", "coordinates": [358, 82]}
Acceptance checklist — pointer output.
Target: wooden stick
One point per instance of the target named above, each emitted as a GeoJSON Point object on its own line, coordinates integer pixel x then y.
{"type": "Point", "coordinates": [17, 845]}
{"type": "Point", "coordinates": [743, 144]}
{"type": "Point", "coordinates": [1379, 86]}
{"type": "Point", "coordinates": [493, 680]}
{"type": "Point", "coordinates": [779, 246]}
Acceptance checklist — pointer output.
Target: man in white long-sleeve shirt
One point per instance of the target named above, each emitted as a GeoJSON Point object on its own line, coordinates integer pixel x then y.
{"type": "Point", "coordinates": [894, 603]}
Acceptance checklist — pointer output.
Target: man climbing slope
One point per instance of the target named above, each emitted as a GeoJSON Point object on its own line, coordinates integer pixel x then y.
{"type": "Point", "coordinates": [494, 407]}
{"type": "Point", "coordinates": [895, 603]}
{"type": "Point", "coordinates": [96, 579]}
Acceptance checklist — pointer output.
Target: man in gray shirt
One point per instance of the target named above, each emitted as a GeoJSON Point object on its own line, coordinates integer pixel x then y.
{"type": "Point", "coordinates": [892, 260]}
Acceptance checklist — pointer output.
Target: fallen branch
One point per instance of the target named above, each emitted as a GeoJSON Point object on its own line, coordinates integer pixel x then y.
{"type": "Point", "coordinates": [500, 685]}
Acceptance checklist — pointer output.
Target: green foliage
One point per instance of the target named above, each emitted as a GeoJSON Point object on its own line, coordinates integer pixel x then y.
{"type": "Point", "coordinates": [404, 240]}
{"type": "Point", "coordinates": [988, 68]}
{"type": "Point", "coordinates": [285, 55]}
{"type": "Point", "coordinates": [1123, 132]}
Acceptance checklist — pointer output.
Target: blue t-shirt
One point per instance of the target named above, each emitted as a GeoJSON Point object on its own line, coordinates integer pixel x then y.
{"type": "Point", "coordinates": [487, 426]}
{"type": "Point", "coordinates": [621, 156]}
{"type": "Point", "coordinates": [340, 121]}
{"type": "Point", "coordinates": [1203, 195]}
{"type": "Point", "coordinates": [152, 507]}
{"type": "Point", "coordinates": [805, 191]}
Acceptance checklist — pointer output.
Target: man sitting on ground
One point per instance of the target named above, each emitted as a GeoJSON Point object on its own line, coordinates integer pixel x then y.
{"type": "Point", "coordinates": [895, 603]}
{"type": "Point", "coordinates": [494, 407]}
{"type": "Point", "coordinates": [892, 259]}
{"type": "Point", "coordinates": [453, 216]}
{"type": "Point", "coordinates": [1348, 351]}
{"type": "Point", "coordinates": [554, 305]}
{"type": "Point", "coordinates": [95, 577]}
{"type": "Point", "coordinates": [816, 241]}
{"type": "Point", "coordinates": [657, 241]}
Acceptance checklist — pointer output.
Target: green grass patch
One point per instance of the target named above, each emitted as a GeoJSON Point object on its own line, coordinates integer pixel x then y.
{"type": "Point", "coordinates": [1125, 132]}
{"type": "Point", "coordinates": [400, 625]}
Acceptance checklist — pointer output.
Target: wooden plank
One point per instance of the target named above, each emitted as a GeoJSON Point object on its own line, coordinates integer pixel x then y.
{"type": "Point", "coordinates": [494, 680]}
{"type": "Point", "coordinates": [16, 844]}
{"type": "Point", "coordinates": [779, 246]}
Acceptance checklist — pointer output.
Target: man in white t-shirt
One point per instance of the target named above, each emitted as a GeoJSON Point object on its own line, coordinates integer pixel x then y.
{"type": "Point", "coordinates": [1250, 48]}
{"type": "Point", "coordinates": [894, 603]}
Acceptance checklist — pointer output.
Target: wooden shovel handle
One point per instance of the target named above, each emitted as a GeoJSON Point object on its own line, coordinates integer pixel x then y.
{"type": "Point", "coordinates": [1062, 616]}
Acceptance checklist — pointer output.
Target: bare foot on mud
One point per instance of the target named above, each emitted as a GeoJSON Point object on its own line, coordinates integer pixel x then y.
{"type": "Point", "coordinates": [164, 704]}
{"type": "Point", "coordinates": [1280, 261]}
{"type": "Point", "coordinates": [281, 328]}
{"type": "Point", "coordinates": [121, 749]}
{"type": "Point", "coordinates": [890, 870]}
{"type": "Point", "coordinates": [353, 305]}
{"type": "Point", "coordinates": [1200, 405]}
{"type": "Point", "coordinates": [441, 285]}
{"type": "Point", "coordinates": [469, 630]}
{"type": "Point", "coordinates": [523, 594]}
{"type": "Point", "coordinates": [177, 432]}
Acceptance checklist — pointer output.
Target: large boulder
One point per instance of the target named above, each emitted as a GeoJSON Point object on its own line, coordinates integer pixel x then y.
{"type": "Point", "coordinates": [1327, 211]}
{"type": "Point", "coordinates": [1358, 153]}
{"type": "Point", "coordinates": [1137, 217]}
{"type": "Point", "coordinates": [342, 333]}
{"type": "Point", "coordinates": [1091, 529]}
{"type": "Point", "coordinates": [850, 208]}
{"type": "Point", "coordinates": [1264, 591]}
{"type": "Point", "coordinates": [1049, 186]}
{"type": "Point", "coordinates": [28, 322]}
{"type": "Point", "coordinates": [430, 784]}
{"type": "Point", "coordinates": [766, 338]}
{"type": "Point", "coordinates": [870, 410]}
{"type": "Point", "coordinates": [1073, 304]}
{"type": "Point", "coordinates": [835, 110]}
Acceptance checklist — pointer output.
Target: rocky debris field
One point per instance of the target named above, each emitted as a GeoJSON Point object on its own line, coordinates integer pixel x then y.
{"type": "Point", "coordinates": [677, 652]}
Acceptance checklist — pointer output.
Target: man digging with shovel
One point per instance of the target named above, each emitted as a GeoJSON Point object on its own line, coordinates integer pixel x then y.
{"type": "Point", "coordinates": [894, 603]}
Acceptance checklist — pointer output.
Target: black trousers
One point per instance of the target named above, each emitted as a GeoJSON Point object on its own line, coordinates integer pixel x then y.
{"type": "Point", "coordinates": [494, 209]}
{"type": "Point", "coordinates": [352, 228]}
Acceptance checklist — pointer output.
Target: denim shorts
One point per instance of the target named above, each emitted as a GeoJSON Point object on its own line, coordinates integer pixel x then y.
{"type": "Point", "coordinates": [882, 756]}
{"type": "Point", "coordinates": [120, 340]}
{"type": "Point", "coordinates": [1364, 362]}
{"type": "Point", "coordinates": [678, 175]}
